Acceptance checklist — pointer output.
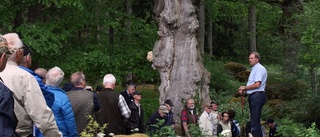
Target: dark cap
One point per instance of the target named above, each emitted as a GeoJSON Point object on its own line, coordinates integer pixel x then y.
{"type": "Point", "coordinates": [269, 120]}
{"type": "Point", "coordinates": [169, 102]}
{"type": "Point", "coordinates": [26, 50]}
{"type": "Point", "coordinates": [136, 93]}
{"type": "Point", "coordinates": [214, 102]}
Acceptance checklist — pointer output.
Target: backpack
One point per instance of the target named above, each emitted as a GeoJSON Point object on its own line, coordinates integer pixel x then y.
{"type": "Point", "coordinates": [236, 128]}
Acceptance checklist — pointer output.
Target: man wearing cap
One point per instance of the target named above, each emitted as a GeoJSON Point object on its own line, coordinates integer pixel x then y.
{"type": "Point", "coordinates": [127, 94]}
{"type": "Point", "coordinates": [169, 118]}
{"type": "Point", "coordinates": [273, 128]}
{"type": "Point", "coordinates": [156, 117]}
{"type": "Point", "coordinates": [8, 118]}
{"type": "Point", "coordinates": [215, 116]}
{"type": "Point", "coordinates": [30, 105]}
{"type": "Point", "coordinates": [136, 121]}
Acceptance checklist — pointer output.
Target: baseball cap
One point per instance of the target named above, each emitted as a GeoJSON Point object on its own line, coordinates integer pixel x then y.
{"type": "Point", "coordinates": [136, 93]}
{"type": "Point", "coordinates": [169, 102]}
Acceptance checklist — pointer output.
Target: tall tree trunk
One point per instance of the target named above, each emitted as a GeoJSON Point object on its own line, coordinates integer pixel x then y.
{"type": "Point", "coordinates": [291, 38]}
{"type": "Point", "coordinates": [201, 31]}
{"type": "Point", "coordinates": [128, 22]}
{"type": "Point", "coordinates": [209, 31]}
{"type": "Point", "coordinates": [252, 28]}
{"type": "Point", "coordinates": [177, 54]}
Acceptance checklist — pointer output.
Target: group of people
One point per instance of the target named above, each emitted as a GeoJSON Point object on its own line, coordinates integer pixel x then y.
{"type": "Point", "coordinates": [33, 104]}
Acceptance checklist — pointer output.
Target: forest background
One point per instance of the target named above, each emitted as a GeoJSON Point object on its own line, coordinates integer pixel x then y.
{"type": "Point", "coordinates": [107, 36]}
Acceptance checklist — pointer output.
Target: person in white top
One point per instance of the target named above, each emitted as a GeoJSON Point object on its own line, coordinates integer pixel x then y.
{"type": "Point", "coordinates": [215, 117]}
{"type": "Point", "coordinates": [205, 121]}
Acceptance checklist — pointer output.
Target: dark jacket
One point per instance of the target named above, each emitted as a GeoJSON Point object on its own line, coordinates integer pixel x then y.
{"type": "Point", "coordinates": [169, 119]}
{"type": "Point", "coordinates": [110, 112]}
{"type": "Point", "coordinates": [8, 118]}
{"type": "Point", "coordinates": [154, 120]}
{"type": "Point", "coordinates": [136, 121]}
{"type": "Point", "coordinates": [129, 99]}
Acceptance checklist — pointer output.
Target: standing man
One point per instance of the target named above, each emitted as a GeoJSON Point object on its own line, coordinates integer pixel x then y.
{"type": "Point", "coordinates": [255, 88]}
{"type": "Point", "coordinates": [114, 109]}
{"type": "Point", "coordinates": [30, 105]}
{"type": "Point", "coordinates": [215, 117]}
{"type": "Point", "coordinates": [83, 102]}
{"type": "Point", "coordinates": [136, 120]}
{"type": "Point", "coordinates": [127, 94]}
{"type": "Point", "coordinates": [188, 116]}
{"type": "Point", "coordinates": [8, 118]}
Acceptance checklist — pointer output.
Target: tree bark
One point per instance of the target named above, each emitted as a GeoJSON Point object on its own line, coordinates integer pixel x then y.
{"type": "Point", "coordinates": [252, 28]}
{"type": "Point", "coordinates": [177, 54]}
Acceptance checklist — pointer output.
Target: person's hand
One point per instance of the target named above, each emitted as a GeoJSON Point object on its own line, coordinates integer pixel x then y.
{"type": "Point", "coordinates": [241, 90]}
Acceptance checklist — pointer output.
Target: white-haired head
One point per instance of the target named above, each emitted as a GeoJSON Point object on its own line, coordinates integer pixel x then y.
{"type": "Point", "coordinates": [14, 43]}
{"type": "Point", "coordinates": [54, 77]}
{"type": "Point", "coordinates": [109, 81]}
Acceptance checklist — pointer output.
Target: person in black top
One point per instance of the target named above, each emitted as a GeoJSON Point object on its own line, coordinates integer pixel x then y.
{"type": "Point", "coordinates": [127, 94]}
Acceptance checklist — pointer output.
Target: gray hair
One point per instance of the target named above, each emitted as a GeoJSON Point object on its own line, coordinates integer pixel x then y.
{"type": "Point", "coordinates": [14, 43]}
{"type": "Point", "coordinates": [54, 77]}
{"type": "Point", "coordinates": [257, 55]}
{"type": "Point", "coordinates": [76, 78]}
{"type": "Point", "coordinates": [109, 79]}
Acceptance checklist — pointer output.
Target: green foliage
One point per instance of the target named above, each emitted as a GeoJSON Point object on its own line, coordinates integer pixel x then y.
{"type": "Point", "coordinates": [93, 128]}
{"type": "Point", "coordinates": [150, 102]}
{"type": "Point", "coordinates": [162, 130]}
{"type": "Point", "coordinates": [289, 128]}
{"type": "Point", "coordinates": [220, 80]}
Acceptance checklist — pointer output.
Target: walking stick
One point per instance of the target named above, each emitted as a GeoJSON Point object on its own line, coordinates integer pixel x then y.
{"type": "Point", "coordinates": [242, 106]}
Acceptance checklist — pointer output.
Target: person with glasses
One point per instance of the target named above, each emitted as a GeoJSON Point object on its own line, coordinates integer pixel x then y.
{"type": "Point", "coordinates": [225, 125]}
{"type": "Point", "coordinates": [188, 116]}
{"type": "Point", "coordinates": [205, 120]}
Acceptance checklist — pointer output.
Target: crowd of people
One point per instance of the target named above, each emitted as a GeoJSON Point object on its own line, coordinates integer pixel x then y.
{"type": "Point", "coordinates": [33, 104]}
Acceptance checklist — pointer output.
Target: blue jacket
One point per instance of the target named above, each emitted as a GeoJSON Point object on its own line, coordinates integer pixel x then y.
{"type": "Point", "coordinates": [63, 113]}
{"type": "Point", "coordinates": [49, 97]}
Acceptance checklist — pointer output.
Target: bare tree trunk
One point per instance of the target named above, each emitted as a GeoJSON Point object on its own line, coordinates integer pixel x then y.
{"type": "Point", "coordinates": [128, 22]}
{"type": "Point", "coordinates": [252, 28]}
{"type": "Point", "coordinates": [177, 54]}
{"type": "Point", "coordinates": [291, 38]}
{"type": "Point", "coordinates": [209, 31]}
{"type": "Point", "coordinates": [201, 30]}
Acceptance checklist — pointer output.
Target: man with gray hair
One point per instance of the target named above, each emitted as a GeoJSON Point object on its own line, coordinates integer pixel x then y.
{"type": "Point", "coordinates": [114, 109]}
{"type": "Point", "coordinates": [61, 107]}
{"type": "Point", "coordinates": [83, 102]}
{"type": "Point", "coordinates": [30, 105]}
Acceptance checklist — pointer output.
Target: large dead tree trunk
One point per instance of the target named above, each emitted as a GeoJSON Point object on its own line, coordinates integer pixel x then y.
{"type": "Point", "coordinates": [177, 53]}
